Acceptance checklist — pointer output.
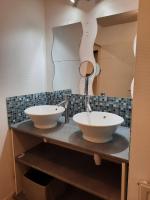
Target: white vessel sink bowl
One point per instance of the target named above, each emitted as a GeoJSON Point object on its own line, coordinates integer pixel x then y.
{"type": "Point", "coordinates": [98, 127]}
{"type": "Point", "coordinates": [45, 116]}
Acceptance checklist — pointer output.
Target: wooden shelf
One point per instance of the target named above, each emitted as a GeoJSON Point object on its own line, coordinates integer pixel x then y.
{"type": "Point", "coordinates": [76, 194]}
{"type": "Point", "coordinates": [70, 194]}
{"type": "Point", "coordinates": [76, 169]}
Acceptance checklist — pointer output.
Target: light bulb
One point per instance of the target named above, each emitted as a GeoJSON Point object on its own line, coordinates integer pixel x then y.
{"type": "Point", "coordinates": [72, 1]}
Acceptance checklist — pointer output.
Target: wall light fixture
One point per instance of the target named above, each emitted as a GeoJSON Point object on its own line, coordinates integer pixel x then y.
{"type": "Point", "coordinates": [75, 2]}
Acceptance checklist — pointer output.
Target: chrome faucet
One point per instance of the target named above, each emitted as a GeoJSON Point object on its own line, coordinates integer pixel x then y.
{"type": "Point", "coordinates": [65, 103]}
{"type": "Point", "coordinates": [87, 97]}
{"type": "Point", "coordinates": [87, 104]}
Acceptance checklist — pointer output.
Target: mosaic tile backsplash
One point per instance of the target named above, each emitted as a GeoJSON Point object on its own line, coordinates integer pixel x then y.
{"type": "Point", "coordinates": [16, 105]}
{"type": "Point", "coordinates": [119, 106]}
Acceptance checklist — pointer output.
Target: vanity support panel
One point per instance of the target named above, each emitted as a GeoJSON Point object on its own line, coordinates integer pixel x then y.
{"type": "Point", "coordinates": [97, 159]}
{"type": "Point", "coordinates": [21, 144]}
{"type": "Point", "coordinates": [124, 180]}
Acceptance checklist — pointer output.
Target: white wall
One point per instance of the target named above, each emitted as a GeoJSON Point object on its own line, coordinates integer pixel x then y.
{"type": "Point", "coordinates": [22, 68]}
{"type": "Point", "coordinates": [140, 138]}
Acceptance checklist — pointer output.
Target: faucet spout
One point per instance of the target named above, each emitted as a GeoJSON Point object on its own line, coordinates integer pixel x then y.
{"type": "Point", "coordinates": [86, 86]}
{"type": "Point", "coordinates": [87, 97]}
{"type": "Point", "coordinates": [62, 103]}
{"type": "Point", "coordinates": [87, 104]}
{"type": "Point", "coordinates": [65, 103]}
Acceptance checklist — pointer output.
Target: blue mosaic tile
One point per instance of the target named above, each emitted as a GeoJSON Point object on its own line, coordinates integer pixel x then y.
{"type": "Point", "coordinates": [16, 105]}
{"type": "Point", "coordinates": [119, 106]}
{"type": "Point", "coordinates": [56, 97]}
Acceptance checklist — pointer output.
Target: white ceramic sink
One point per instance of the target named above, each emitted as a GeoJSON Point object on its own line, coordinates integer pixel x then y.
{"type": "Point", "coordinates": [44, 116]}
{"type": "Point", "coordinates": [98, 127]}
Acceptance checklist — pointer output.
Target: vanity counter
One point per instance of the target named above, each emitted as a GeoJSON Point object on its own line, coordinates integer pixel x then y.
{"type": "Point", "coordinates": [69, 136]}
{"type": "Point", "coordinates": [62, 153]}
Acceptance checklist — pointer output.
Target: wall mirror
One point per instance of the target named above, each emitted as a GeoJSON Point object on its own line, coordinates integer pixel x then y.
{"type": "Point", "coordinates": [65, 55]}
{"type": "Point", "coordinates": [113, 53]}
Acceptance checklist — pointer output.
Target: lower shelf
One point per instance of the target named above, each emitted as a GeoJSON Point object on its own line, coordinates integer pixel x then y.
{"type": "Point", "coordinates": [76, 194]}
{"type": "Point", "coordinates": [70, 194]}
{"type": "Point", "coordinates": [76, 169]}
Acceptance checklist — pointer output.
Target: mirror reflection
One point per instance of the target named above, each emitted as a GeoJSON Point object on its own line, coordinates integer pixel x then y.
{"type": "Point", "coordinates": [113, 52]}
{"type": "Point", "coordinates": [113, 72]}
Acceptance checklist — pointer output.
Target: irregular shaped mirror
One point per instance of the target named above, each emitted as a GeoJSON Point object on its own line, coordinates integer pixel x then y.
{"type": "Point", "coordinates": [113, 51]}
{"type": "Point", "coordinates": [65, 54]}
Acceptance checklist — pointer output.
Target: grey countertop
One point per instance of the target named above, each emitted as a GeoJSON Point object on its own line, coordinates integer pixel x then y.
{"type": "Point", "coordinates": [70, 136]}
